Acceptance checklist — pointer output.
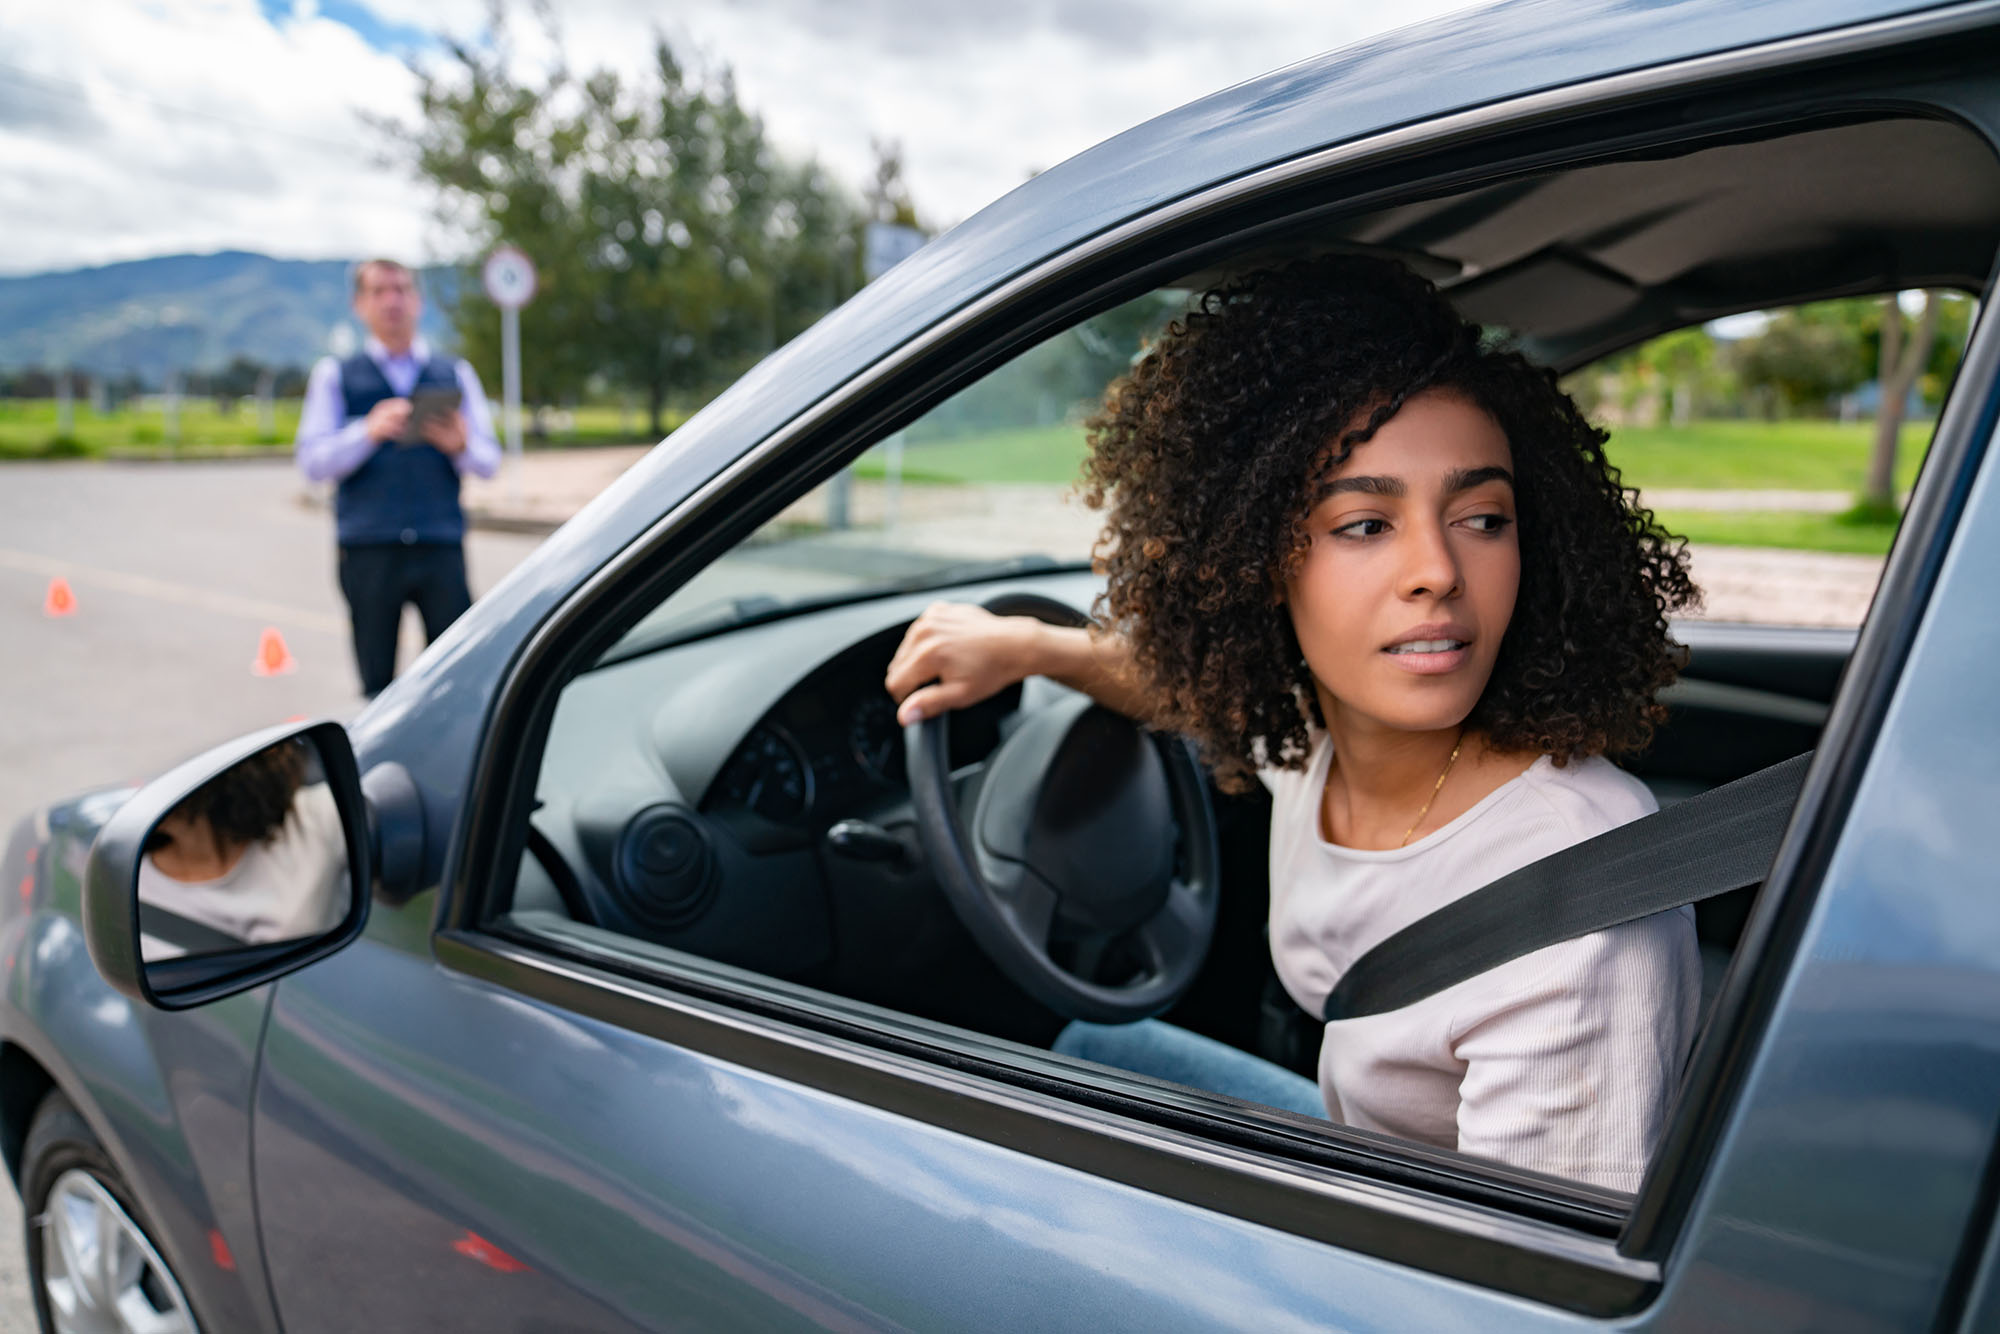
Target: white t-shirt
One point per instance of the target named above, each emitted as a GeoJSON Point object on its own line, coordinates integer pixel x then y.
{"type": "Point", "coordinates": [290, 887]}
{"type": "Point", "coordinates": [1562, 1060]}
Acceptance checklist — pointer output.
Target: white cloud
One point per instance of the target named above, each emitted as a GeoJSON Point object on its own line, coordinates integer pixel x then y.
{"type": "Point", "coordinates": [144, 127]}
{"type": "Point", "coordinates": [141, 129]}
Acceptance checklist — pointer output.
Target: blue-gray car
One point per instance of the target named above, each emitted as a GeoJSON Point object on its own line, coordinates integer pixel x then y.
{"type": "Point", "coordinates": [626, 966]}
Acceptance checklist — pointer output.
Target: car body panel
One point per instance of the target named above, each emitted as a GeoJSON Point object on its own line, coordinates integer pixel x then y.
{"type": "Point", "coordinates": [642, 1185]}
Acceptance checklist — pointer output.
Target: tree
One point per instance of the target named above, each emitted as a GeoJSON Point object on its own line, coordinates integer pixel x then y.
{"type": "Point", "coordinates": [675, 246]}
{"type": "Point", "coordinates": [1808, 355]}
{"type": "Point", "coordinates": [1685, 359]}
{"type": "Point", "coordinates": [1899, 362]}
{"type": "Point", "coordinates": [888, 195]}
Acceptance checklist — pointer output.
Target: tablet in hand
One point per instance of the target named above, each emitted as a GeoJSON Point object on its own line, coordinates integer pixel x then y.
{"type": "Point", "coordinates": [428, 403]}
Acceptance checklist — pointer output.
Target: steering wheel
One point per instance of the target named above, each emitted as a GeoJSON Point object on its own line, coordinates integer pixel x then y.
{"type": "Point", "coordinates": [1060, 853]}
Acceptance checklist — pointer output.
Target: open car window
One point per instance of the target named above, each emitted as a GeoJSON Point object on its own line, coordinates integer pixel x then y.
{"type": "Point", "coordinates": [730, 783]}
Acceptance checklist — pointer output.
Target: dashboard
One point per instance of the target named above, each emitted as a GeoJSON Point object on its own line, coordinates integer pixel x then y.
{"type": "Point", "coordinates": [686, 793]}
{"type": "Point", "coordinates": [831, 747]}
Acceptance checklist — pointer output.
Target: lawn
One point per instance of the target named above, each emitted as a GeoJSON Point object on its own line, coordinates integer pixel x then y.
{"type": "Point", "coordinates": [28, 429]}
{"type": "Point", "coordinates": [1728, 455]}
{"type": "Point", "coordinates": [1779, 528]}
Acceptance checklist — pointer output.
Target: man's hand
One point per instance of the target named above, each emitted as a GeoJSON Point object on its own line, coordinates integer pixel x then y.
{"type": "Point", "coordinates": [446, 433]}
{"type": "Point", "coordinates": [387, 419]}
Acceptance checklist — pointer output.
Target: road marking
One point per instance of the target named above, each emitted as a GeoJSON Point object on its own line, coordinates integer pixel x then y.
{"type": "Point", "coordinates": [165, 590]}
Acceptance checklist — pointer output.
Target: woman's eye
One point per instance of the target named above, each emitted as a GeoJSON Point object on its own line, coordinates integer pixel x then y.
{"type": "Point", "coordinates": [1488, 523]}
{"type": "Point", "coordinates": [1362, 528]}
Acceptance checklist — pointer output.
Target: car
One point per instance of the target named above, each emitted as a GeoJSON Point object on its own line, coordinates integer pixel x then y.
{"type": "Point", "coordinates": [640, 987]}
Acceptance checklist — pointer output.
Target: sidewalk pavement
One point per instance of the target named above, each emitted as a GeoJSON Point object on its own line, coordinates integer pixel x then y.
{"type": "Point", "coordinates": [994, 521]}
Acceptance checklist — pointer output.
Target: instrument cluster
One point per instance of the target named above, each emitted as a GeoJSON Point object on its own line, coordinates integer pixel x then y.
{"type": "Point", "coordinates": [832, 745]}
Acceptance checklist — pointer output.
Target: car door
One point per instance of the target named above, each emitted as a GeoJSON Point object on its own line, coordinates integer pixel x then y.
{"type": "Point", "coordinates": [457, 1123]}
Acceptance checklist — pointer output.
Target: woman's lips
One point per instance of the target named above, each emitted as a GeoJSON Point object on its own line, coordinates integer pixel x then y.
{"type": "Point", "coordinates": [1430, 657]}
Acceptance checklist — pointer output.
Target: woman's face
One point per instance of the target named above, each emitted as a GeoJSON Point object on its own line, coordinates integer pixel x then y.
{"type": "Point", "coordinates": [1409, 583]}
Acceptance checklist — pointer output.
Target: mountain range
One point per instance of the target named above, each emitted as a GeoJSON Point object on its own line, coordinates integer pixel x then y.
{"type": "Point", "coordinates": [189, 312]}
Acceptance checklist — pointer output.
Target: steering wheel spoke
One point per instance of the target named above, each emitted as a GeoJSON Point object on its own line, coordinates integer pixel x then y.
{"type": "Point", "coordinates": [1030, 907]}
{"type": "Point", "coordinates": [1183, 924]}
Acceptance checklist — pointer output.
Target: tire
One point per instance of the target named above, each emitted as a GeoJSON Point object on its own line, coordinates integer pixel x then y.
{"type": "Point", "coordinates": [70, 1190]}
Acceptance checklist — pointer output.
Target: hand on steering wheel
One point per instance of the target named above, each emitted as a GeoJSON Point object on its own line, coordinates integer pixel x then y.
{"type": "Point", "coordinates": [1083, 836]}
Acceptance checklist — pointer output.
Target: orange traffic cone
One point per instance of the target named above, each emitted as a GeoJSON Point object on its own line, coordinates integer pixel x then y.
{"type": "Point", "coordinates": [273, 658]}
{"type": "Point", "coordinates": [60, 601]}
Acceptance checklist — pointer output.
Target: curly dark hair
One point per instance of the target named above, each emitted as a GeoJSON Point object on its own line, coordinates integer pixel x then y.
{"type": "Point", "coordinates": [1207, 456]}
{"type": "Point", "coordinates": [248, 802]}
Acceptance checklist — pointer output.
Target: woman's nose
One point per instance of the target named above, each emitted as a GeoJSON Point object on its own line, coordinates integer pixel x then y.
{"type": "Point", "coordinates": [1430, 565]}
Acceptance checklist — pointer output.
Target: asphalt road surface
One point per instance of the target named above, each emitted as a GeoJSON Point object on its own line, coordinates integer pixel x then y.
{"type": "Point", "coordinates": [176, 570]}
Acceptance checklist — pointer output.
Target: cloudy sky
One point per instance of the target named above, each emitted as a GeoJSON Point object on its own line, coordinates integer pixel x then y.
{"type": "Point", "coordinates": [146, 127]}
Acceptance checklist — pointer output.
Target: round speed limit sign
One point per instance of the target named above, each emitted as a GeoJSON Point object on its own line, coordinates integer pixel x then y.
{"type": "Point", "coordinates": [510, 278]}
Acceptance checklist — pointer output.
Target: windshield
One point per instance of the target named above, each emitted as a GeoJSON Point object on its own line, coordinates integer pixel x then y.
{"type": "Point", "coordinates": [981, 486]}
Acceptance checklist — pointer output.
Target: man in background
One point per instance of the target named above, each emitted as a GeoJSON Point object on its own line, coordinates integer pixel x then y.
{"type": "Point", "coordinates": [400, 528]}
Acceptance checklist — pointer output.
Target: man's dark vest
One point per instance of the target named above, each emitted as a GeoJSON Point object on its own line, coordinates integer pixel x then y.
{"type": "Point", "coordinates": [403, 493]}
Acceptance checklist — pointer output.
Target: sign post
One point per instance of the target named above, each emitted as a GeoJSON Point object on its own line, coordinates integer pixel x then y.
{"type": "Point", "coordinates": [884, 246]}
{"type": "Point", "coordinates": [509, 276]}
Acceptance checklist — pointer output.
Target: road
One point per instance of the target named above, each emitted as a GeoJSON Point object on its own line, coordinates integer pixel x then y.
{"type": "Point", "coordinates": [176, 571]}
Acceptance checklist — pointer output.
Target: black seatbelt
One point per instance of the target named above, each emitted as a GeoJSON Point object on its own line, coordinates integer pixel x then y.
{"type": "Point", "coordinates": [184, 933]}
{"type": "Point", "coordinates": [1723, 839]}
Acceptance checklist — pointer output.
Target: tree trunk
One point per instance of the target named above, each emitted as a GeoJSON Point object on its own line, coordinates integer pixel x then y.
{"type": "Point", "coordinates": [1898, 369]}
{"type": "Point", "coordinates": [656, 402]}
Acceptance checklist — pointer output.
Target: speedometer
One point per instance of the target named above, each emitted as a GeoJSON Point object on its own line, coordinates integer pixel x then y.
{"type": "Point", "coordinates": [768, 775]}
{"type": "Point", "coordinates": [876, 738]}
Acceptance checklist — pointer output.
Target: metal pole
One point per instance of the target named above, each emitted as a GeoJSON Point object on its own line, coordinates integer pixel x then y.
{"type": "Point", "coordinates": [172, 421]}
{"type": "Point", "coordinates": [510, 381]}
{"type": "Point", "coordinates": [267, 410]}
{"type": "Point", "coordinates": [892, 480]}
{"type": "Point", "coordinates": [839, 490]}
{"type": "Point", "coordinates": [65, 406]}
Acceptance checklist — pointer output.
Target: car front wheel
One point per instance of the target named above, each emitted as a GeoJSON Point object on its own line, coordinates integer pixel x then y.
{"type": "Point", "coordinates": [93, 1268]}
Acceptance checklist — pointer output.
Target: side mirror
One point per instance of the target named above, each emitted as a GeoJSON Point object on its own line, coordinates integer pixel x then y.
{"type": "Point", "coordinates": [237, 867]}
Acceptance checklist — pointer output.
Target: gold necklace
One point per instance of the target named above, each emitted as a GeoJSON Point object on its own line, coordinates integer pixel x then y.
{"type": "Point", "coordinates": [1435, 790]}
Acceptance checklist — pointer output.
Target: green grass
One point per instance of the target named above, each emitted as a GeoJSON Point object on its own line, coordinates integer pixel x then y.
{"type": "Point", "coordinates": [28, 429]}
{"type": "Point", "coordinates": [1755, 455]}
{"type": "Point", "coordinates": [1779, 528]}
{"type": "Point", "coordinates": [1031, 454]}
{"type": "Point", "coordinates": [1711, 455]}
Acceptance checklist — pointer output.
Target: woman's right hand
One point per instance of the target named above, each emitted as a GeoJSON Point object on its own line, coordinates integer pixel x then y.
{"type": "Point", "coordinates": [955, 655]}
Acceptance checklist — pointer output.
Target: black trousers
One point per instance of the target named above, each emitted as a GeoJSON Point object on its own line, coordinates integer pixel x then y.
{"type": "Point", "coordinates": [378, 578]}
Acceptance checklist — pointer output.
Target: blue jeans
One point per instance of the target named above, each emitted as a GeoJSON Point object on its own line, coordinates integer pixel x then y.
{"type": "Point", "coordinates": [1150, 1047]}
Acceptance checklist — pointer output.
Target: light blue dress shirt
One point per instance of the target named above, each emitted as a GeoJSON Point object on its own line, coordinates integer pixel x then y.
{"type": "Point", "coordinates": [329, 448]}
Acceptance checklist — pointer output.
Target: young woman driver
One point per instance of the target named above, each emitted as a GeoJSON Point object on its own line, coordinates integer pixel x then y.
{"type": "Point", "coordinates": [1387, 571]}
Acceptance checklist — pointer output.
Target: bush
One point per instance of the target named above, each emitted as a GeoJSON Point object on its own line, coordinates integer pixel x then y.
{"type": "Point", "coordinates": [1872, 514]}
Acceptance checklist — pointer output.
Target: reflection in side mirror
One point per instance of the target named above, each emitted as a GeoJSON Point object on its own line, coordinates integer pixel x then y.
{"type": "Point", "coordinates": [238, 867]}
{"type": "Point", "coordinates": [254, 856]}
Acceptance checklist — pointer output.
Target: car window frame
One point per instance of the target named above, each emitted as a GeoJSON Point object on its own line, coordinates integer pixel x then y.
{"type": "Point", "coordinates": [1561, 1263]}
